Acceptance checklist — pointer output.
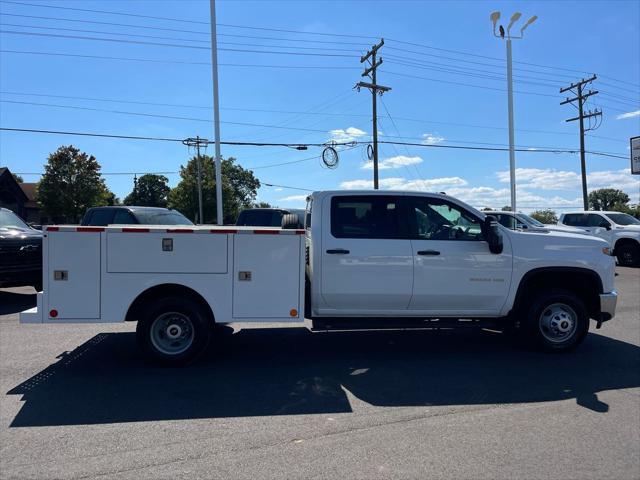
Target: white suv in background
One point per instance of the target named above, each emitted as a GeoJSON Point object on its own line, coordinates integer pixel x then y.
{"type": "Point", "coordinates": [521, 221]}
{"type": "Point", "coordinates": [621, 230]}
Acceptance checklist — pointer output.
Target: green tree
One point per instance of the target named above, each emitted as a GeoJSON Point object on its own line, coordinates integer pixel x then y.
{"type": "Point", "coordinates": [545, 216]}
{"type": "Point", "coordinates": [71, 183]}
{"type": "Point", "coordinates": [263, 205]}
{"type": "Point", "coordinates": [150, 191]}
{"type": "Point", "coordinates": [17, 178]}
{"type": "Point", "coordinates": [487, 209]}
{"type": "Point", "coordinates": [239, 189]}
{"type": "Point", "coordinates": [606, 198]}
{"type": "Point", "coordinates": [506, 208]}
{"type": "Point", "coordinates": [633, 210]}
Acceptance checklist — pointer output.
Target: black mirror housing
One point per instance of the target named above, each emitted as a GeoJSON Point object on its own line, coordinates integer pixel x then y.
{"type": "Point", "coordinates": [493, 235]}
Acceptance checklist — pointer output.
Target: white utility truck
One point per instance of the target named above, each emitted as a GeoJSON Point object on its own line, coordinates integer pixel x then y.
{"type": "Point", "coordinates": [364, 260]}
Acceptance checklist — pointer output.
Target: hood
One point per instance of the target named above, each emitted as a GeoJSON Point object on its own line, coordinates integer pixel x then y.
{"type": "Point", "coordinates": [563, 237]}
{"type": "Point", "coordinates": [627, 228]}
{"type": "Point", "coordinates": [565, 228]}
{"type": "Point", "coordinates": [19, 234]}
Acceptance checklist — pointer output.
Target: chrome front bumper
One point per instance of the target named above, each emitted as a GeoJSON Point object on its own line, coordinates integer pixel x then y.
{"type": "Point", "coordinates": [608, 303]}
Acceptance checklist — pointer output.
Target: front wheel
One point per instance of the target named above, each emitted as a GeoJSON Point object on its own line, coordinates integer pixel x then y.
{"type": "Point", "coordinates": [628, 255]}
{"type": "Point", "coordinates": [173, 331]}
{"type": "Point", "coordinates": [556, 321]}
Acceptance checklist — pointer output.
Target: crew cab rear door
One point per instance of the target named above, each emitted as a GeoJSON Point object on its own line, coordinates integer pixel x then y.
{"type": "Point", "coordinates": [367, 263]}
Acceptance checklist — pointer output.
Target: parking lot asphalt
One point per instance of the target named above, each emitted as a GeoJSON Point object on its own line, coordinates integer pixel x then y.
{"type": "Point", "coordinates": [77, 401]}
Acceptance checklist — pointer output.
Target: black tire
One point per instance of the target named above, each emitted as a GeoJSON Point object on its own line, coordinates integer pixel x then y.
{"type": "Point", "coordinates": [183, 317]}
{"type": "Point", "coordinates": [290, 221]}
{"type": "Point", "coordinates": [628, 255]}
{"type": "Point", "coordinates": [554, 321]}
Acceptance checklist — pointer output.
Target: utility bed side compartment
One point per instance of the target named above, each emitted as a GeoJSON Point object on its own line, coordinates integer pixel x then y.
{"type": "Point", "coordinates": [158, 252]}
{"type": "Point", "coordinates": [73, 276]}
{"type": "Point", "coordinates": [268, 275]}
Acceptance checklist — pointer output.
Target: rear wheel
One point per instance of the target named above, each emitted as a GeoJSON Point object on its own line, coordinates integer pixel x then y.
{"type": "Point", "coordinates": [555, 321]}
{"type": "Point", "coordinates": [173, 331]}
{"type": "Point", "coordinates": [628, 254]}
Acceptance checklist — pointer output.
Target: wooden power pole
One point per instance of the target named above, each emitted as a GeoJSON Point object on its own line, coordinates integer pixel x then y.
{"type": "Point", "coordinates": [370, 72]}
{"type": "Point", "coordinates": [581, 97]}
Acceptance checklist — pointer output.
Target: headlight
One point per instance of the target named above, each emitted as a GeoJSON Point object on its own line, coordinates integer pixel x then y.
{"type": "Point", "coordinates": [607, 251]}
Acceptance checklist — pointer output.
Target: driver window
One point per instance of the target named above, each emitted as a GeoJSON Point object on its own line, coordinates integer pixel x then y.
{"type": "Point", "coordinates": [436, 219]}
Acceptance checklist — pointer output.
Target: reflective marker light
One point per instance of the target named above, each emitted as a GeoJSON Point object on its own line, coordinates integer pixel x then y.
{"type": "Point", "coordinates": [293, 312]}
{"type": "Point", "coordinates": [53, 313]}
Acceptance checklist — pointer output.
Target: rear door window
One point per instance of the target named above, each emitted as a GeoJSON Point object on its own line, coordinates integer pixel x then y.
{"type": "Point", "coordinates": [123, 217]}
{"type": "Point", "coordinates": [367, 217]}
{"type": "Point", "coordinates": [576, 220]}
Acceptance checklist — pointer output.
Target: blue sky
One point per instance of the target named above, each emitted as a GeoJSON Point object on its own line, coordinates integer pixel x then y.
{"type": "Point", "coordinates": [445, 68]}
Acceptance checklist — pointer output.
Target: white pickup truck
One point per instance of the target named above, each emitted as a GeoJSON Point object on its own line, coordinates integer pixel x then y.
{"type": "Point", "coordinates": [620, 230]}
{"type": "Point", "coordinates": [364, 260]}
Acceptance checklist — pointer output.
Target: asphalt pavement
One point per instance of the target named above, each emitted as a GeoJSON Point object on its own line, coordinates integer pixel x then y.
{"type": "Point", "coordinates": [78, 401]}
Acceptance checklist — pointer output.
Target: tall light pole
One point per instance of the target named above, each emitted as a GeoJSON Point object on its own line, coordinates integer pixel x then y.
{"type": "Point", "coordinates": [216, 112]}
{"type": "Point", "coordinates": [495, 16]}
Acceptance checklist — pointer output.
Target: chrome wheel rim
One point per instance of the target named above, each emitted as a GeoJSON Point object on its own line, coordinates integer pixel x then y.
{"type": "Point", "coordinates": [558, 322]}
{"type": "Point", "coordinates": [172, 333]}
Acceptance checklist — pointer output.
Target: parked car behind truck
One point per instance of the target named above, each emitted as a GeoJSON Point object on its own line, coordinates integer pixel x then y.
{"type": "Point", "coordinates": [620, 230]}
{"type": "Point", "coordinates": [20, 252]}
{"type": "Point", "coordinates": [365, 260]}
{"type": "Point", "coordinates": [130, 215]}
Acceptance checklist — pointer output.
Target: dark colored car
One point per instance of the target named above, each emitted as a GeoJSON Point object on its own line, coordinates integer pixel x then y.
{"type": "Point", "coordinates": [123, 215]}
{"type": "Point", "coordinates": [267, 217]}
{"type": "Point", "coordinates": [20, 252]}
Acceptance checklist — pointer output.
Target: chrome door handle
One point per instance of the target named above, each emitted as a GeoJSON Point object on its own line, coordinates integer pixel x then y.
{"type": "Point", "coordinates": [428, 252]}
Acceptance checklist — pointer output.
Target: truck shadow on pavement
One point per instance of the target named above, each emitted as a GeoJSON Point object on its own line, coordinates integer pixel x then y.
{"type": "Point", "coordinates": [292, 371]}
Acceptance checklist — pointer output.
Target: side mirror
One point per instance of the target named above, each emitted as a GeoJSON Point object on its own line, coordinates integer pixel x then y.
{"type": "Point", "coordinates": [492, 234]}
{"type": "Point", "coordinates": [606, 225]}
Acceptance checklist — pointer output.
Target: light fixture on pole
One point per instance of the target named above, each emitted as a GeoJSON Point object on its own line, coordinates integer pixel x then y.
{"type": "Point", "coordinates": [494, 17]}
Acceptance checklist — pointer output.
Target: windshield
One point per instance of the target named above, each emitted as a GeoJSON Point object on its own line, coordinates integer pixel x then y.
{"type": "Point", "coordinates": [623, 219]}
{"type": "Point", "coordinates": [161, 217]}
{"type": "Point", "coordinates": [529, 220]}
{"type": "Point", "coordinates": [10, 220]}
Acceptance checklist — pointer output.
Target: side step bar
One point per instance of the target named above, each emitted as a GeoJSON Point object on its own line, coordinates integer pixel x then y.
{"type": "Point", "coordinates": [338, 324]}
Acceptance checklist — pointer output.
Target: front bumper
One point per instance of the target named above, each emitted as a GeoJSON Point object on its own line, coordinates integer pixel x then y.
{"type": "Point", "coordinates": [608, 302]}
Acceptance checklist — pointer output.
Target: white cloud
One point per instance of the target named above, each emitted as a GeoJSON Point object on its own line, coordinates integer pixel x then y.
{"type": "Point", "coordinates": [431, 138]}
{"type": "Point", "coordinates": [551, 179]}
{"type": "Point", "coordinates": [278, 189]}
{"type": "Point", "coordinates": [393, 162]}
{"type": "Point", "coordinates": [628, 115]}
{"type": "Point", "coordinates": [346, 135]}
{"type": "Point", "coordinates": [400, 183]}
{"type": "Point", "coordinates": [294, 198]}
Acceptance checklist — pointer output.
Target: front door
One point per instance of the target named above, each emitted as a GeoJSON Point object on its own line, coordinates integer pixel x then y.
{"type": "Point", "coordinates": [455, 274]}
{"type": "Point", "coordinates": [367, 263]}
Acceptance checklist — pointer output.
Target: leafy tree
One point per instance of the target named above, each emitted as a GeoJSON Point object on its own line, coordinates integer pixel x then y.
{"type": "Point", "coordinates": [545, 216]}
{"type": "Point", "coordinates": [263, 205]}
{"type": "Point", "coordinates": [633, 210]}
{"type": "Point", "coordinates": [506, 208]}
{"type": "Point", "coordinates": [606, 198]}
{"type": "Point", "coordinates": [487, 209]}
{"type": "Point", "coordinates": [71, 183]}
{"type": "Point", "coordinates": [239, 189]}
{"type": "Point", "coordinates": [17, 178]}
{"type": "Point", "coordinates": [150, 191]}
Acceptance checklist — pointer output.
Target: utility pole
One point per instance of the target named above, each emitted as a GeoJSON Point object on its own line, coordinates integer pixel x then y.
{"type": "Point", "coordinates": [581, 97]}
{"type": "Point", "coordinates": [370, 72]}
{"type": "Point", "coordinates": [216, 112]}
{"type": "Point", "coordinates": [196, 142]}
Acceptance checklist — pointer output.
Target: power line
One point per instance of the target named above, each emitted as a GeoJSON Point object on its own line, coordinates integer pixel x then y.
{"type": "Point", "coordinates": [181, 62]}
{"type": "Point", "coordinates": [467, 84]}
{"type": "Point", "coordinates": [173, 45]}
{"type": "Point", "coordinates": [345, 144]}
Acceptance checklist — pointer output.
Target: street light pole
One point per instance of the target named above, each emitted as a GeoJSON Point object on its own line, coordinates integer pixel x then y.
{"type": "Point", "coordinates": [512, 148]}
{"type": "Point", "coordinates": [216, 112]}
{"type": "Point", "coordinates": [495, 16]}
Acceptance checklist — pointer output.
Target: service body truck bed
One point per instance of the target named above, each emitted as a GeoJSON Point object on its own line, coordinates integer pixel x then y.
{"type": "Point", "coordinates": [94, 274]}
